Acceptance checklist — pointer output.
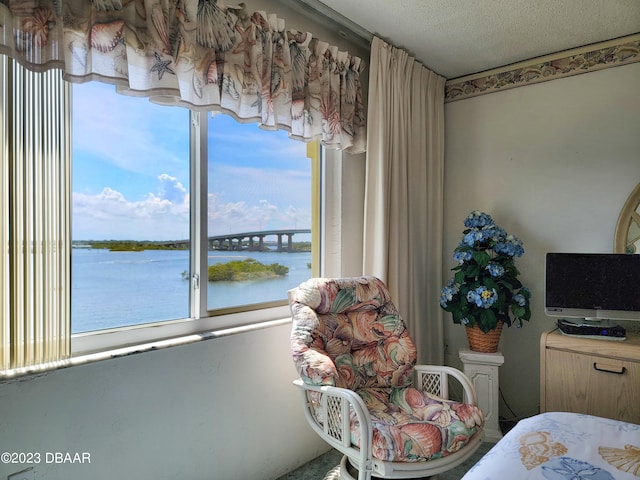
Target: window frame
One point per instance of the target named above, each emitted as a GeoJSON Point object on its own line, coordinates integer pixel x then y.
{"type": "Point", "coordinates": [201, 319]}
{"type": "Point", "coordinates": [340, 246]}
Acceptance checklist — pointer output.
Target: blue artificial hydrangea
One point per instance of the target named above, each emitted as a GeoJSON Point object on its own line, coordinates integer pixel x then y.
{"type": "Point", "coordinates": [483, 236]}
{"type": "Point", "coordinates": [495, 270]}
{"type": "Point", "coordinates": [498, 233]}
{"type": "Point", "coordinates": [447, 293]}
{"type": "Point", "coordinates": [519, 299]}
{"type": "Point", "coordinates": [472, 237]}
{"type": "Point", "coordinates": [462, 257]}
{"type": "Point", "coordinates": [478, 219]}
{"type": "Point", "coordinates": [482, 296]}
{"type": "Point", "coordinates": [510, 246]}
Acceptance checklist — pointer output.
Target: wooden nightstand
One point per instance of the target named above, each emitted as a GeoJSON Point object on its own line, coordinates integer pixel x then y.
{"type": "Point", "coordinates": [598, 377]}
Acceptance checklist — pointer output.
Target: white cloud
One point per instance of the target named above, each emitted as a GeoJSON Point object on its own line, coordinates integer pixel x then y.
{"type": "Point", "coordinates": [253, 199]}
{"type": "Point", "coordinates": [171, 188]}
{"type": "Point", "coordinates": [240, 217]}
{"type": "Point", "coordinates": [164, 215]}
{"type": "Point", "coordinates": [109, 215]}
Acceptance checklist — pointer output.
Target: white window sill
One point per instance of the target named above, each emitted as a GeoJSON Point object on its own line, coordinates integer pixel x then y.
{"type": "Point", "coordinates": [140, 347]}
{"type": "Point", "coordinates": [104, 340]}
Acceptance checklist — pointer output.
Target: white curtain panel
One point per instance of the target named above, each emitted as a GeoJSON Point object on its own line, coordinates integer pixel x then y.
{"type": "Point", "coordinates": [403, 224]}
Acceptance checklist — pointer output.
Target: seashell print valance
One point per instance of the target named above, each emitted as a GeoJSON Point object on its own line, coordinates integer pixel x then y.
{"type": "Point", "coordinates": [200, 54]}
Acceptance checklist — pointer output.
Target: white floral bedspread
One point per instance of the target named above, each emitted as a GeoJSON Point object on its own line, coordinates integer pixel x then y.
{"type": "Point", "coordinates": [563, 446]}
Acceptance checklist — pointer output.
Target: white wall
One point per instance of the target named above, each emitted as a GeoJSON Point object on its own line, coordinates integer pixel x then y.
{"type": "Point", "coordinates": [218, 409]}
{"type": "Point", "coordinates": [553, 163]}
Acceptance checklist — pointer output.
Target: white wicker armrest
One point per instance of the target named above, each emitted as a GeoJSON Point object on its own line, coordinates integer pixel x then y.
{"type": "Point", "coordinates": [335, 428]}
{"type": "Point", "coordinates": [336, 404]}
{"type": "Point", "coordinates": [434, 379]}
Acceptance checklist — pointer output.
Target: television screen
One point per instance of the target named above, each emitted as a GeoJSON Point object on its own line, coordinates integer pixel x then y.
{"type": "Point", "coordinates": [593, 285]}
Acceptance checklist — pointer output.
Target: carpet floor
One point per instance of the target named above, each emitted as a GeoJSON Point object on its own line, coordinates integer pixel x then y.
{"type": "Point", "coordinates": [327, 467]}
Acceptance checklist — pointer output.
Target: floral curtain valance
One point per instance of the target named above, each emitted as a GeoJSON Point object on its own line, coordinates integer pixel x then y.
{"type": "Point", "coordinates": [198, 53]}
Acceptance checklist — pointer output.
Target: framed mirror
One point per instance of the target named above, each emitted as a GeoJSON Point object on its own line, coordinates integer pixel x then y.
{"type": "Point", "coordinates": [627, 236]}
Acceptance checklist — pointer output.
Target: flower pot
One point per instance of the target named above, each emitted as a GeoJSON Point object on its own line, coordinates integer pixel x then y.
{"type": "Point", "coordinates": [484, 342]}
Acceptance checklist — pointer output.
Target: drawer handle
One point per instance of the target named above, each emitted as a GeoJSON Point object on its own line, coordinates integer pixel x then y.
{"type": "Point", "coordinates": [609, 368]}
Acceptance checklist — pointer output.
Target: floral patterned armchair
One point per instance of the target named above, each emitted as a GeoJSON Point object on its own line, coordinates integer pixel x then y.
{"type": "Point", "coordinates": [363, 392]}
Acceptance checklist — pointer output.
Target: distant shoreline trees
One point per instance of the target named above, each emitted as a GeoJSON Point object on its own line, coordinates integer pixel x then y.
{"type": "Point", "coordinates": [140, 246]}
{"type": "Point", "coordinates": [248, 269]}
{"type": "Point", "coordinates": [233, 271]}
{"type": "Point", "coordinates": [239, 270]}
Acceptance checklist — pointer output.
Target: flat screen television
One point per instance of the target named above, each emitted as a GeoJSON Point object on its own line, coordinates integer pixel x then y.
{"type": "Point", "coordinates": [594, 286]}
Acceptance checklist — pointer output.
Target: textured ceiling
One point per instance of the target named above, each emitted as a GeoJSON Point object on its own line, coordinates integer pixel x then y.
{"type": "Point", "coordinates": [460, 37]}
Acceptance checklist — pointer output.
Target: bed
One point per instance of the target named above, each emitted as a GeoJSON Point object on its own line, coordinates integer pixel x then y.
{"type": "Point", "coordinates": [563, 446]}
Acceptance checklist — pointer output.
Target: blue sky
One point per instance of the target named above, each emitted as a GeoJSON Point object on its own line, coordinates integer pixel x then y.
{"type": "Point", "coordinates": [131, 171]}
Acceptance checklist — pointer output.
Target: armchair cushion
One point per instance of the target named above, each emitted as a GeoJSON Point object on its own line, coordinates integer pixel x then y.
{"type": "Point", "coordinates": [349, 334]}
{"type": "Point", "coordinates": [410, 425]}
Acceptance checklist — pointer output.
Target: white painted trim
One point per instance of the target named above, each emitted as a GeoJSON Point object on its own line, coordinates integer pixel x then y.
{"type": "Point", "coordinates": [132, 349]}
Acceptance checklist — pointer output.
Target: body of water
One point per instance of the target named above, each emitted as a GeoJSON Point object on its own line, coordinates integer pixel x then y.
{"type": "Point", "coordinates": [115, 289]}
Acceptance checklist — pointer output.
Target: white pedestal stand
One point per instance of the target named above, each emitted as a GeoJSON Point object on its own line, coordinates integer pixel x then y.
{"type": "Point", "coordinates": [482, 370]}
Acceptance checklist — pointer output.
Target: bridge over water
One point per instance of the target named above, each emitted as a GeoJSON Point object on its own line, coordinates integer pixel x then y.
{"type": "Point", "coordinates": [252, 241]}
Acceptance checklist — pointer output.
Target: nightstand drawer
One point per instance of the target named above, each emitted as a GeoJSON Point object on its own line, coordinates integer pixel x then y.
{"type": "Point", "coordinates": [574, 379]}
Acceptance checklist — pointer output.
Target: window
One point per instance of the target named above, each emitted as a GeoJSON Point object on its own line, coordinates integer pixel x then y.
{"type": "Point", "coordinates": [171, 232]}
{"type": "Point", "coordinates": [258, 211]}
{"type": "Point", "coordinates": [140, 250]}
{"type": "Point", "coordinates": [130, 210]}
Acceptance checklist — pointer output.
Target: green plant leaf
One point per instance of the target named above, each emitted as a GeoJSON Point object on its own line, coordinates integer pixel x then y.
{"type": "Point", "coordinates": [482, 258]}
{"type": "Point", "coordinates": [488, 320]}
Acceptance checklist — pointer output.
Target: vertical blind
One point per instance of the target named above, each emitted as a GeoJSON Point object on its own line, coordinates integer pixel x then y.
{"type": "Point", "coordinates": [34, 211]}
